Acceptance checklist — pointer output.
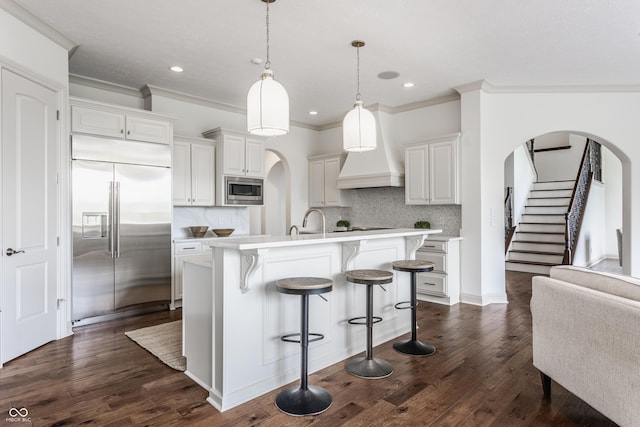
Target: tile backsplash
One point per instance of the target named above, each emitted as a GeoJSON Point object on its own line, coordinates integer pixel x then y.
{"type": "Point", "coordinates": [214, 217]}
{"type": "Point", "coordinates": [385, 207]}
{"type": "Point", "coordinates": [375, 207]}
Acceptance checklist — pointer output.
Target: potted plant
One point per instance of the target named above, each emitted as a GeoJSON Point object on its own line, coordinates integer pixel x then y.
{"type": "Point", "coordinates": [422, 224]}
{"type": "Point", "coordinates": [343, 225]}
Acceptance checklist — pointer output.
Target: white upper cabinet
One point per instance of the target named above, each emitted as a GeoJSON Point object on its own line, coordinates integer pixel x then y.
{"type": "Point", "coordinates": [114, 122]}
{"type": "Point", "coordinates": [432, 171]}
{"type": "Point", "coordinates": [193, 172]}
{"type": "Point", "coordinates": [238, 154]}
{"type": "Point", "coordinates": [323, 182]}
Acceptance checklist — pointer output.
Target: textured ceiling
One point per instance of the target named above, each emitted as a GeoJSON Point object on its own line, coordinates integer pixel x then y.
{"type": "Point", "coordinates": [438, 44]}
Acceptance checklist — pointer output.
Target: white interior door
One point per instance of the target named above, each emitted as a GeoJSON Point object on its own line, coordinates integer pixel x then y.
{"type": "Point", "coordinates": [29, 216]}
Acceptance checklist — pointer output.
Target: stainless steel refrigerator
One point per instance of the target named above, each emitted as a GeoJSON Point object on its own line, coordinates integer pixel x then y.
{"type": "Point", "coordinates": [121, 192]}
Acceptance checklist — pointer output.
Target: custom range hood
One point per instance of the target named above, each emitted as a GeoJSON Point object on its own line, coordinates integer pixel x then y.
{"type": "Point", "coordinates": [381, 167]}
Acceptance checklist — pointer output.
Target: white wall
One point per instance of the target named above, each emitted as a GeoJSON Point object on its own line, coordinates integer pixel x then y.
{"type": "Point", "coordinates": [523, 177]}
{"type": "Point", "coordinates": [27, 49]}
{"type": "Point", "coordinates": [612, 180]}
{"type": "Point", "coordinates": [126, 98]}
{"type": "Point", "coordinates": [559, 165]}
{"type": "Point", "coordinates": [590, 247]}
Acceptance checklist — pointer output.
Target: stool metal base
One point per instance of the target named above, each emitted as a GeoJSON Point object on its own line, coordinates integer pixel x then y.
{"type": "Point", "coordinates": [415, 348]}
{"type": "Point", "coordinates": [297, 401]}
{"type": "Point", "coordinates": [372, 368]}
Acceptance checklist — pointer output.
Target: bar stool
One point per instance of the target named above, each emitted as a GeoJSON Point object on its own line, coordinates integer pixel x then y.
{"type": "Point", "coordinates": [304, 399]}
{"type": "Point", "coordinates": [413, 346]}
{"type": "Point", "coordinates": [368, 366]}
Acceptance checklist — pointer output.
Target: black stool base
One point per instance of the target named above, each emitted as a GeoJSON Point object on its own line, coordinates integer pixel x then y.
{"type": "Point", "coordinates": [296, 401]}
{"type": "Point", "coordinates": [415, 348]}
{"type": "Point", "coordinates": [374, 368]}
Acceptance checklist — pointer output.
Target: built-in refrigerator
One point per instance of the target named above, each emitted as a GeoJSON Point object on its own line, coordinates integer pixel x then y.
{"type": "Point", "coordinates": [121, 196]}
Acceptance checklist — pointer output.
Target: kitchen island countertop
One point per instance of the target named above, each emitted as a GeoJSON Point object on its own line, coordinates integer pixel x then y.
{"type": "Point", "coordinates": [263, 242]}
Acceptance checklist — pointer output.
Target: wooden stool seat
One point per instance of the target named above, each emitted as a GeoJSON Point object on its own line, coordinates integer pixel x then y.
{"type": "Point", "coordinates": [411, 265]}
{"type": "Point", "coordinates": [304, 285]}
{"type": "Point", "coordinates": [369, 277]}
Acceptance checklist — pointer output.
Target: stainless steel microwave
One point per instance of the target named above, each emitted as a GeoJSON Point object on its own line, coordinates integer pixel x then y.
{"type": "Point", "coordinates": [243, 191]}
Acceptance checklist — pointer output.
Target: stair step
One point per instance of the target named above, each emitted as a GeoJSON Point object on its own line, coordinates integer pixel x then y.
{"type": "Point", "coordinates": [537, 194]}
{"type": "Point", "coordinates": [538, 247]}
{"type": "Point", "coordinates": [553, 185]}
{"type": "Point", "coordinates": [543, 218]}
{"type": "Point", "coordinates": [527, 267]}
{"type": "Point", "coordinates": [536, 257]}
{"type": "Point", "coordinates": [549, 201]}
{"type": "Point", "coordinates": [541, 237]}
{"type": "Point", "coordinates": [545, 209]}
{"type": "Point", "coordinates": [541, 227]}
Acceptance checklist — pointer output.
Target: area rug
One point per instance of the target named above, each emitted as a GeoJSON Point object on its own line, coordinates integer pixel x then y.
{"type": "Point", "coordinates": [164, 341]}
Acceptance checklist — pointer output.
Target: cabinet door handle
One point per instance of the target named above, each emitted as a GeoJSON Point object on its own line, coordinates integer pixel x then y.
{"type": "Point", "coordinates": [428, 246]}
{"type": "Point", "coordinates": [191, 248]}
{"type": "Point", "coordinates": [430, 284]}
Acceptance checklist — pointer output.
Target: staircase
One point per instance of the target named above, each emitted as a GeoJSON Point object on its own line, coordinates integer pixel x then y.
{"type": "Point", "coordinates": [539, 240]}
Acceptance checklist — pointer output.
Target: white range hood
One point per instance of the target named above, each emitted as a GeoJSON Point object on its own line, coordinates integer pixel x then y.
{"type": "Point", "coordinates": [382, 167]}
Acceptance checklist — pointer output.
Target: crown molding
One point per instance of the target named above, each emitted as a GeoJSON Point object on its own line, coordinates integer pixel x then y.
{"type": "Point", "coordinates": [39, 25]}
{"type": "Point", "coordinates": [400, 108]}
{"type": "Point", "coordinates": [564, 89]}
{"type": "Point", "coordinates": [488, 87]}
{"type": "Point", "coordinates": [477, 85]}
{"type": "Point", "coordinates": [149, 90]}
{"type": "Point", "coordinates": [104, 85]}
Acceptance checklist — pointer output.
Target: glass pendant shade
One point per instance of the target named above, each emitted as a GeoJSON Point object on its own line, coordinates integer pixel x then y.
{"type": "Point", "coordinates": [359, 129]}
{"type": "Point", "coordinates": [267, 107]}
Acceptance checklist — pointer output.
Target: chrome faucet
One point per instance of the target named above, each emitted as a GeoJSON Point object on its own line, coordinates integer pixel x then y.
{"type": "Point", "coordinates": [306, 216]}
{"type": "Point", "coordinates": [294, 227]}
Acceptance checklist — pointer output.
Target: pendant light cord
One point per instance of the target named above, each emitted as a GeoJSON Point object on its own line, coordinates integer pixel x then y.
{"type": "Point", "coordinates": [358, 73]}
{"type": "Point", "coordinates": [267, 64]}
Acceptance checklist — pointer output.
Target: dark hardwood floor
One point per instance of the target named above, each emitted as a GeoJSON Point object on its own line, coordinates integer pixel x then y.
{"type": "Point", "coordinates": [481, 375]}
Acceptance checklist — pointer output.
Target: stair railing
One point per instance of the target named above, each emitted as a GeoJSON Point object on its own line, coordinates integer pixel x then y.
{"type": "Point", "coordinates": [509, 228]}
{"type": "Point", "coordinates": [591, 161]}
{"type": "Point", "coordinates": [532, 155]}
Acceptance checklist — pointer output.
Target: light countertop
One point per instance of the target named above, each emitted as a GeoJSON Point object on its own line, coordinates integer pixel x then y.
{"type": "Point", "coordinates": [258, 242]}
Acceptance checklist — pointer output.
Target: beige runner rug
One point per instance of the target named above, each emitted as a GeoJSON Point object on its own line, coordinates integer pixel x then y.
{"type": "Point", "coordinates": [163, 341]}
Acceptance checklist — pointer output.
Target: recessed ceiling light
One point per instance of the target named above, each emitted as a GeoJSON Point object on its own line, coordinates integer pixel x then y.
{"type": "Point", "coordinates": [176, 69]}
{"type": "Point", "coordinates": [256, 61]}
{"type": "Point", "coordinates": [388, 75]}
{"type": "Point", "coordinates": [408, 84]}
{"type": "Point", "coordinates": [313, 113]}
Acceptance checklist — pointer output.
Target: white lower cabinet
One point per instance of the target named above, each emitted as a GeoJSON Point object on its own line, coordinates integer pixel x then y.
{"type": "Point", "coordinates": [181, 250]}
{"type": "Point", "coordinates": [442, 285]}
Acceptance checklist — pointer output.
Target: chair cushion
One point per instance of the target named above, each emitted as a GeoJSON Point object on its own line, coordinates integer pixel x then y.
{"type": "Point", "coordinates": [613, 284]}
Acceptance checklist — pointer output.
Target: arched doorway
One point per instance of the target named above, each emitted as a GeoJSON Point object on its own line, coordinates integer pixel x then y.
{"type": "Point", "coordinates": [274, 216]}
{"type": "Point", "coordinates": [545, 165]}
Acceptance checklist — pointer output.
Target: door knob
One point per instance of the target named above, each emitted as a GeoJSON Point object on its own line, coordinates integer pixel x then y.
{"type": "Point", "coordinates": [10, 252]}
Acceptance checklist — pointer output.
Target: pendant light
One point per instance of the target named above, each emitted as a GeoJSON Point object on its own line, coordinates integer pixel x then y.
{"type": "Point", "coordinates": [267, 101]}
{"type": "Point", "coordinates": [359, 125]}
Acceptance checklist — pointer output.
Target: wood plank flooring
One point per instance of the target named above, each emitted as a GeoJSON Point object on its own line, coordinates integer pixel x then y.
{"type": "Point", "coordinates": [481, 375]}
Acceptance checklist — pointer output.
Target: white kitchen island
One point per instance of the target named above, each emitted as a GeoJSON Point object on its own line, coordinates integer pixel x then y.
{"type": "Point", "coordinates": [234, 317]}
